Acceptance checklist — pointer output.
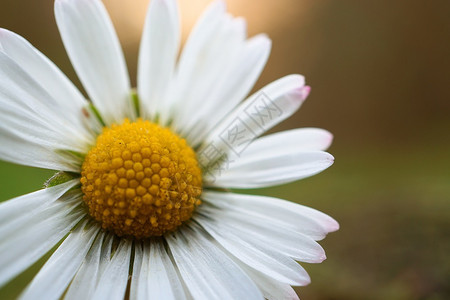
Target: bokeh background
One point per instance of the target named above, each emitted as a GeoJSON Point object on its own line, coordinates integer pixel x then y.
{"type": "Point", "coordinates": [380, 77]}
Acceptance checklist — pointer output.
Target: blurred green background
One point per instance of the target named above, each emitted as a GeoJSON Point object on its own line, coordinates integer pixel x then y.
{"type": "Point", "coordinates": [380, 75]}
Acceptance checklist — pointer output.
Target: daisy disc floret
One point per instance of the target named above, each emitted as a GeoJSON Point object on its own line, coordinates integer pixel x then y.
{"type": "Point", "coordinates": [140, 180]}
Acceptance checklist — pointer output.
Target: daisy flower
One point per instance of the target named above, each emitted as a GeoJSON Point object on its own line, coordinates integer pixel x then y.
{"type": "Point", "coordinates": [141, 206]}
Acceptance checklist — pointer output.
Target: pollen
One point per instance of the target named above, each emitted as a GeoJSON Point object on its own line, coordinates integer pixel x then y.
{"type": "Point", "coordinates": [140, 180]}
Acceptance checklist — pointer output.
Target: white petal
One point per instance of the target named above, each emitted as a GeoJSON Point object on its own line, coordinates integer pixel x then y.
{"type": "Point", "coordinates": [154, 274]}
{"type": "Point", "coordinates": [114, 280]}
{"type": "Point", "coordinates": [269, 169]}
{"type": "Point", "coordinates": [196, 92]}
{"type": "Point", "coordinates": [300, 139]}
{"type": "Point", "coordinates": [194, 60]}
{"type": "Point", "coordinates": [106, 254]}
{"type": "Point", "coordinates": [283, 239]}
{"type": "Point", "coordinates": [283, 157]}
{"type": "Point", "coordinates": [68, 100]}
{"type": "Point", "coordinates": [236, 82]}
{"type": "Point", "coordinates": [84, 282]}
{"type": "Point", "coordinates": [255, 254]}
{"type": "Point", "coordinates": [206, 270]}
{"type": "Point", "coordinates": [157, 56]}
{"type": "Point", "coordinates": [94, 49]}
{"type": "Point", "coordinates": [305, 220]}
{"type": "Point", "coordinates": [260, 112]}
{"type": "Point", "coordinates": [9, 230]}
{"type": "Point", "coordinates": [42, 223]}
{"type": "Point", "coordinates": [204, 28]}
{"type": "Point", "coordinates": [25, 145]}
{"type": "Point", "coordinates": [139, 284]}
{"type": "Point", "coordinates": [13, 209]}
{"type": "Point", "coordinates": [57, 273]}
{"type": "Point", "coordinates": [272, 289]}
{"type": "Point", "coordinates": [48, 127]}
{"type": "Point", "coordinates": [164, 282]}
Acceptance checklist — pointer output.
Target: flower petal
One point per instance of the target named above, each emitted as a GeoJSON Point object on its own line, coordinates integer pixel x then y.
{"type": "Point", "coordinates": [272, 289]}
{"type": "Point", "coordinates": [198, 58]}
{"type": "Point", "coordinates": [84, 283]}
{"type": "Point", "coordinates": [284, 240]}
{"type": "Point", "coordinates": [12, 230]}
{"type": "Point", "coordinates": [114, 280]}
{"type": "Point", "coordinates": [139, 284]}
{"type": "Point", "coordinates": [33, 203]}
{"type": "Point", "coordinates": [300, 139]}
{"type": "Point", "coordinates": [154, 274]}
{"type": "Point", "coordinates": [34, 233]}
{"type": "Point", "coordinates": [48, 135]}
{"type": "Point", "coordinates": [269, 169]}
{"type": "Point", "coordinates": [206, 270]}
{"type": "Point", "coordinates": [57, 273]}
{"type": "Point", "coordinates": [281, 157]}
{"type": "Point", "coordinates": [256, 255]}
{"type": "Point", "coordinates": [106, 255]}
{"type": "Point", "coordinates": [208, 66]}
{"type": "Point", "coordinates": [237, 80]}
{"type": "Point", "coordinates": [302, 219]}
{"type": "Point", "coordinates": [163, 281]}
{"type": "Point", "coordinates": [157, 56]}
{"type": "Point", "coordinates": [68, 100]}
{"type": "Point", "coordinates": [94, 49]}
{"type": "Point", "coordinates": [260, 112]}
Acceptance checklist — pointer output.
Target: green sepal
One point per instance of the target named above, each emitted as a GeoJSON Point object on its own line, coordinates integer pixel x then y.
{"type": "Point", "coordinates": [59, 178]}
{"type": "Point", "coordinates": [135, 101]}
{"type": "Point", "coordinates": [97, 114]}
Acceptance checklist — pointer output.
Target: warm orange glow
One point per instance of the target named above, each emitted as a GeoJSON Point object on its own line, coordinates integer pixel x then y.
{"type": "Point", "coordinates": [128, 19]}
{"type": "Point", "coordinates": [261, 15]}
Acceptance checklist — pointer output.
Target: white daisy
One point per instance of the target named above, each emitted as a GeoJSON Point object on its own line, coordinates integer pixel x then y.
{"type": "Point", "coordinates": [144, 187]}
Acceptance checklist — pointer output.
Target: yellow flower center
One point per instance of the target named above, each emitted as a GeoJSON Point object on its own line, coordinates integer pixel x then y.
{"type": "Point", "coordinates": [140, 180]}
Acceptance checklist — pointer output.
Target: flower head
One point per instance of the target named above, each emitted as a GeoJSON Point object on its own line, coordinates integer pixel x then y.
{"type": "Point", "coordinates": [143, 187]}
